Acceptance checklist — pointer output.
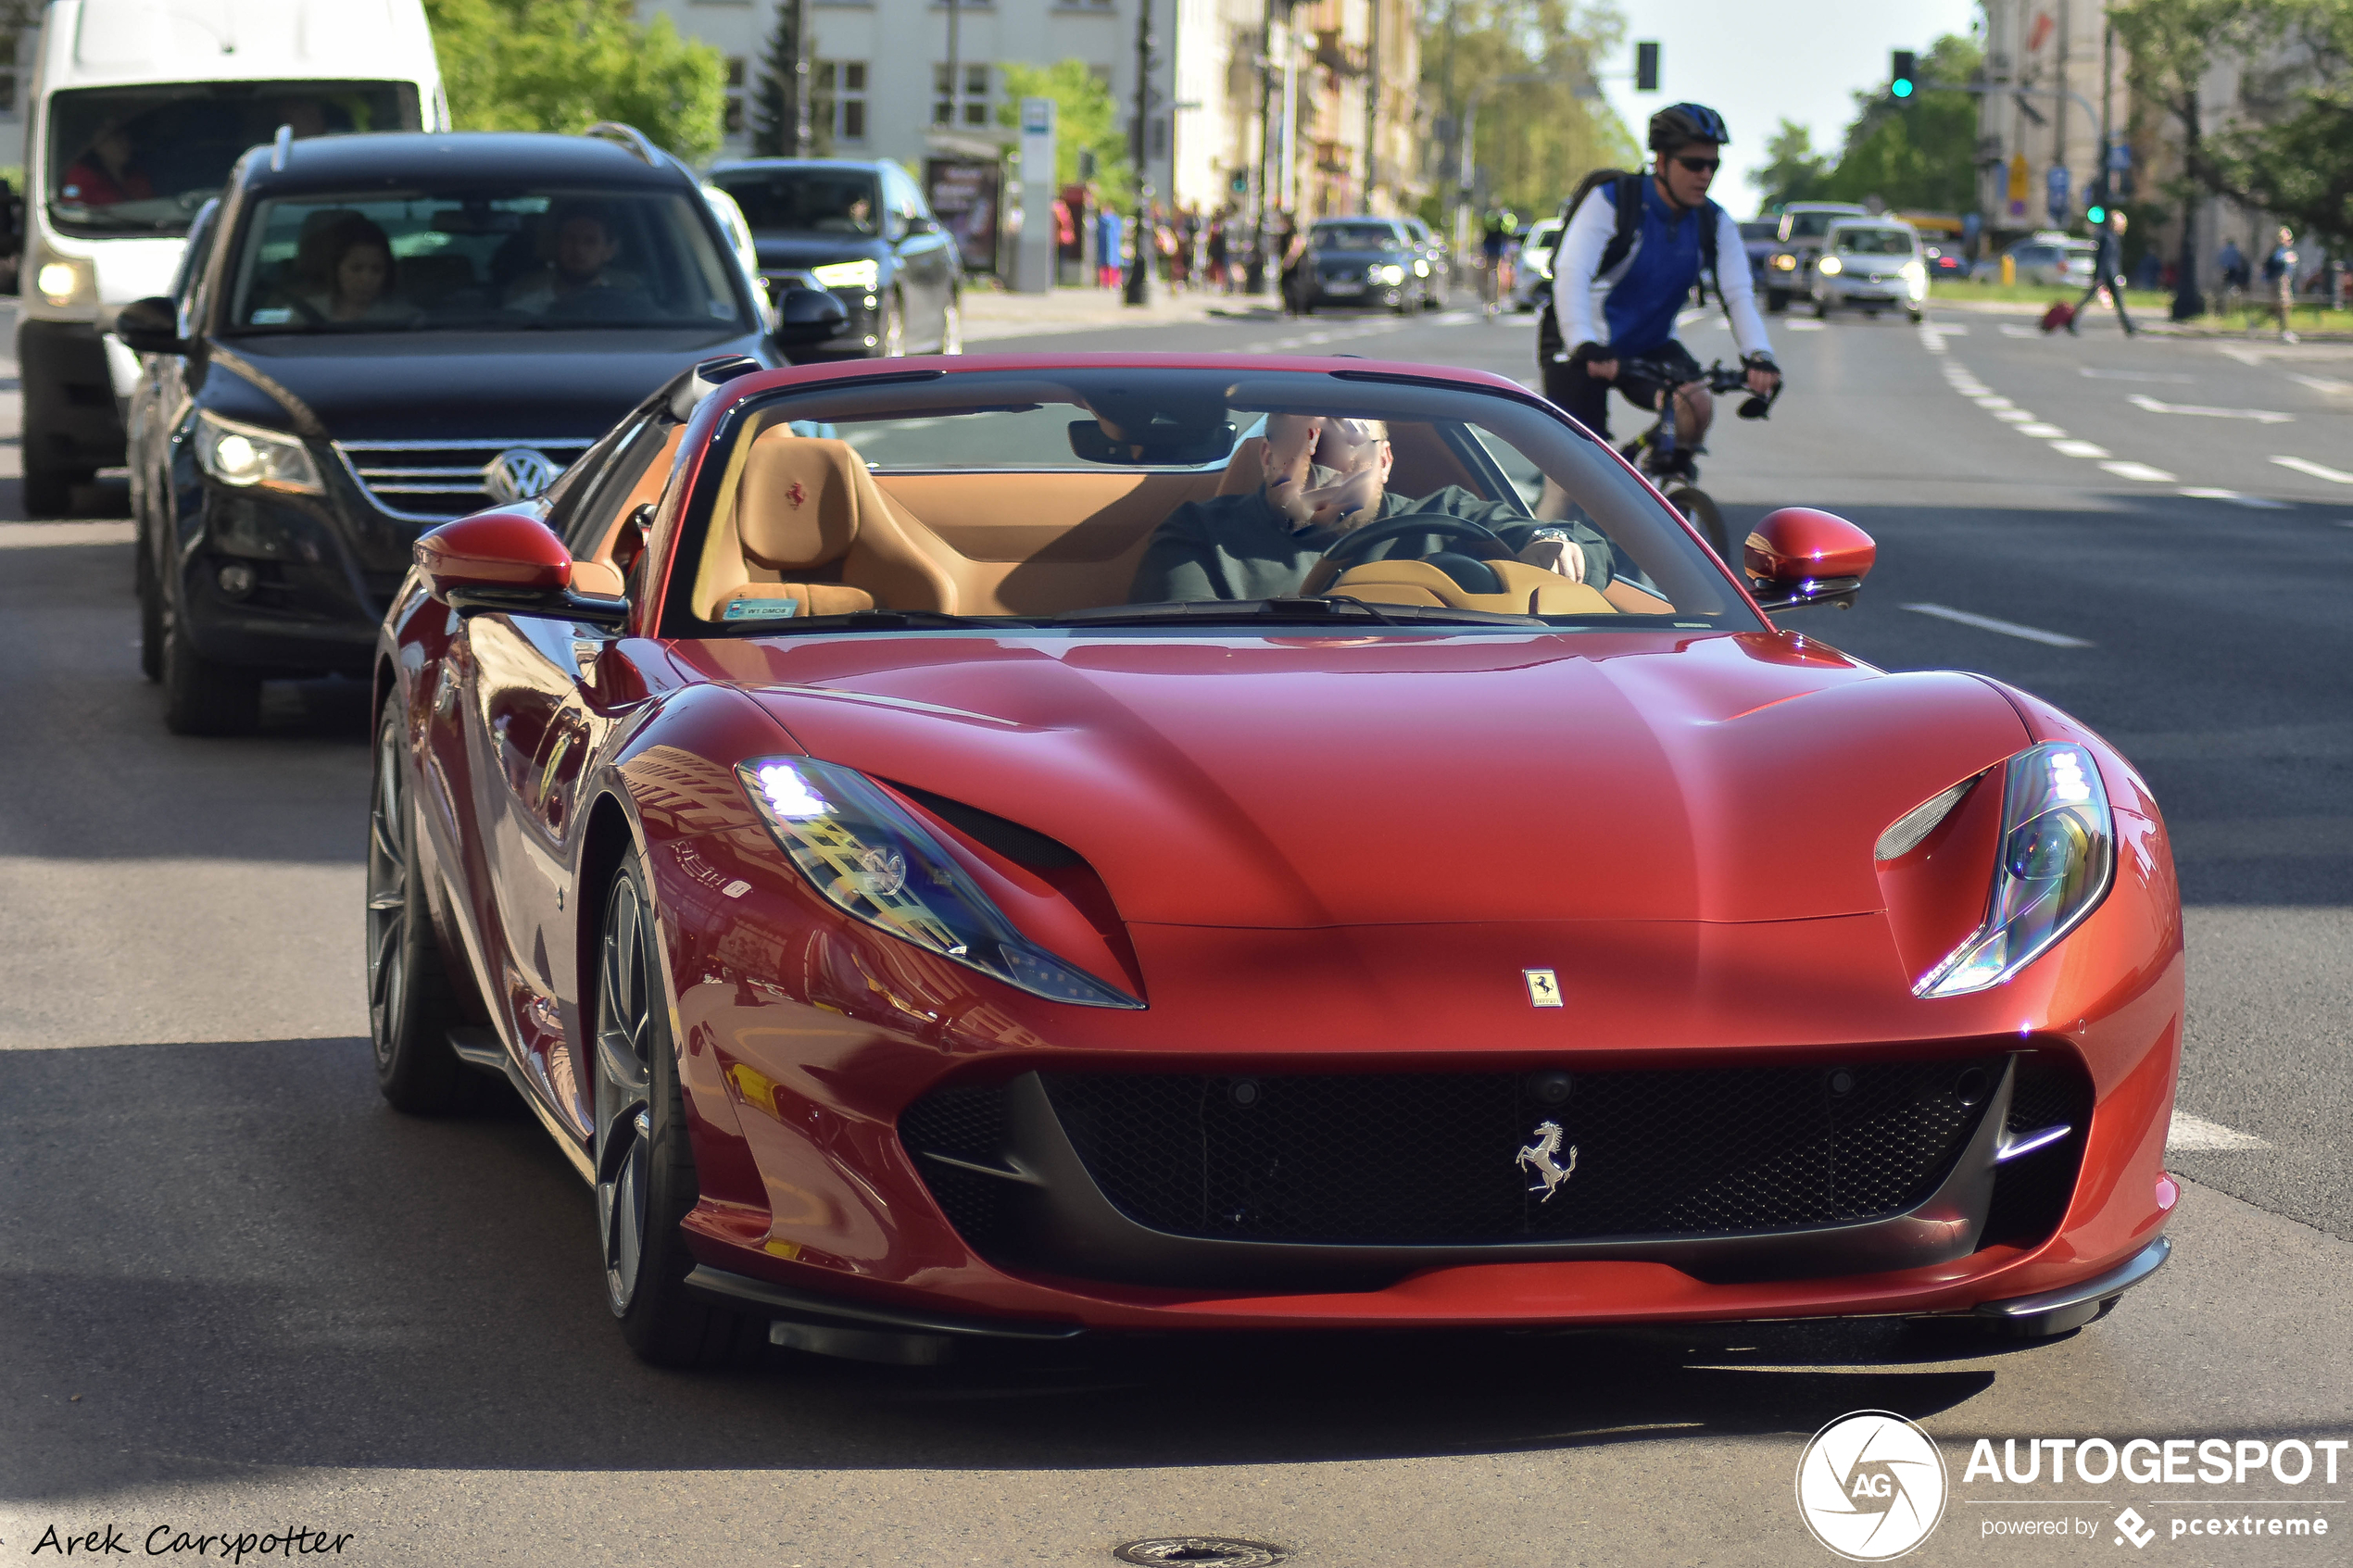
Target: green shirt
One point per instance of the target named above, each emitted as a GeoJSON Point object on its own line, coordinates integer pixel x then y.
{"type": "Point", "coordinates": [1240, 548]}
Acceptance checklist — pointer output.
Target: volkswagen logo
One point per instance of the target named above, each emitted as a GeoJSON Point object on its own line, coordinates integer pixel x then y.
{"type": "Point", "coordinates": [518, 474]}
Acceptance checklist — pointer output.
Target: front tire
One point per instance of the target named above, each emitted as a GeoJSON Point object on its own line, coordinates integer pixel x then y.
{"type": "Point", "coordinates": [644, 1161]}
{"type": "Point", "coordinates": [890, 337]}
{"type": "Point", "coordinates": [408, 1001]}
{"type": "Point", "coordinates": [202, 697]}
{"type": "Point", "coordinates": [951, 328]}
{"type": "Point", "coordinates": [1700, 507]}
{"type": "Point", "coordinates": [150, 615]}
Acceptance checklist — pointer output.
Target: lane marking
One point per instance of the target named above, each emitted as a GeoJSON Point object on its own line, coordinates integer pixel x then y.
{"type": "Point", "coordinates": [1803, 326]}
{"type": "Point", "coordinates": [2129, 375]}
{"type": "Point", "coordinates": [38, 536]}
{"type": "Point", "coordinates": [2007, 628]}
{"type": "Point", "coordinates": [2141, 471]}
{"type": "Point", "coordinates": [2047, 433]}
{"type": "Point", "coordinates": [1945, 328]}
{"type": "Point", "coordinates": [2189, 1134]}
{"type": "Point", "coordinates": [2012, 330]}
{"type": "Point", "coordinates": [2079, 450]}
{"type": "Point", "coordinates": [2015, 416]}
{"type": "Point", "coordinates": [2319, 383]}
{"type": "Point", "coordinates": [2205, 493]}
{"type": "Point", "coordinates": [2318, 471]}
{"type": "Point", "coordinates": [2144, 401]}
{"type": "Point", "coordinates": [1992, 400]}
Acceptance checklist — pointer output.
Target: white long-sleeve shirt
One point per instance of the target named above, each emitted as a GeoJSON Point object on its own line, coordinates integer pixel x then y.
{"type": "Point", "coordinates": [1634, 309]}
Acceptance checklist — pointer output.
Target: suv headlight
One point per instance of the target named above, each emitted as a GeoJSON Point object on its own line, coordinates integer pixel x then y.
{"type": "Point", "coordinates": [2057, 860]}
{"type": "Point", "coordinates": [848, 274]}
{"type": "Point", "coordinates": [1831, 266]}
{"type": "Point", "coordinates": [873, 860]}
{"type": "Point", "coordinates": [245, 456]}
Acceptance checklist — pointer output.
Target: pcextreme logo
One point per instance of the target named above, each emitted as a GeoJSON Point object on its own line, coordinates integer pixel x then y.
{"type": "Point", "coordinates": [1871, 1485]}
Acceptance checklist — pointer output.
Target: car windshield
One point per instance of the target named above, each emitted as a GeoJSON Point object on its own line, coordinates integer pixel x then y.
{"type": "Point", "coordinates": [1811, 225]}
{"type": "Point", "coordinates": [1175, 498]}
{"type": "Point", "coordinates": [380, 261]}
{"type": "Point", "coordinates": [142, 160]}
{"type": "Point", "coordinates": [1760, 228]}
{"type": "Point", "coordinates": [1874, 242]}
{"type": "Point", "coordinates": [812, 201]}
{"type": "Point", "coordinates": [1355, 237]}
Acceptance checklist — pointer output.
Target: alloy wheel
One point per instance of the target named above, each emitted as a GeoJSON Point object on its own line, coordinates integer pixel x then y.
{"type": "Point", "coordinates": [626, 993]}
{"type": "Point", "coordinates": [387, 894]}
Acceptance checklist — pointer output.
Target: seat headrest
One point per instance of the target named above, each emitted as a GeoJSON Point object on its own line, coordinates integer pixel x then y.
{"type": "Point", "coordinates": [800, 501]}
{"type": "Point", "coordinates": [1246, 469]}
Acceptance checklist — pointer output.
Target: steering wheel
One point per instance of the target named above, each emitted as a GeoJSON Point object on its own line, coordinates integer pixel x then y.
{"type": "Point", "coordinates": [1350, 549]}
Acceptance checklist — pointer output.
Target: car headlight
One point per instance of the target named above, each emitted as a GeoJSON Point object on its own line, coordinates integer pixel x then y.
{"type": "Point", "coordinates": [245, 456]}
{"type": "Point", "coordinates": [1392, 273]}
{"type": "Point", "coordinates": [1785, 262]}
{"type": "Point", "coordinates": [1915, 270]}
{"type": "Point", "coordinates": [60, 282]}
{"type": "Point", "coordinates": [1421, 269]}
{"type": "Point", "coordinates": [1830, 268]}
{"type": "Point", "coordinates": [873, 860]}
{"type": "Point", "coordinates": [849, 274]}
{"type": "Point", "coordinates": [2057, 860]}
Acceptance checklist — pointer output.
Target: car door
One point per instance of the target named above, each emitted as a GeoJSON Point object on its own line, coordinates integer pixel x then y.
{"type": "Point", "coordinates": [927, 258]}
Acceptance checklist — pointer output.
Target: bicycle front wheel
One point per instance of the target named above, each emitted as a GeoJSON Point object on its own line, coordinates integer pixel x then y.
{"type": "Point", "coordinates": [1706, 516]}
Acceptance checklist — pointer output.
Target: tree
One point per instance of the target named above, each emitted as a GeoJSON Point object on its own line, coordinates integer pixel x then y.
{"type": "Point", "coordinates": [1535, 140]}
{"type": "Point", "coordinates": [1917, 154]}
{"type": "Point", "coordinates": [563, 65]}
{"type": "Point", "coordinates": [1794, 171]}
{"type": "Point", "coordinates": [775, 108]}
{"type": "Point", "coordinates": [1085, 116]}
{"type": "Point", "coordinates": [2295, 159]}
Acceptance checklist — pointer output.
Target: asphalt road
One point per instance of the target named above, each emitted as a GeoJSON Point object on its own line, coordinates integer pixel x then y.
{"type": "Point", "coordinates": [241, 1295]}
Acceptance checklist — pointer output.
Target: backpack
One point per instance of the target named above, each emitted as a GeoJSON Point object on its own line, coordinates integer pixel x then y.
{"type": "Point", "coordinates": [1628, 198]}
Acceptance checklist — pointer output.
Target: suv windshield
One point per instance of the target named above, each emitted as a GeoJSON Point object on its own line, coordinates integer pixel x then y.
{"type": "Point", "coordinates": [1356, 236]}
{"type": "Point", "coordinates": [142, 160]}
{"type": "Point", "coordinates": [1875, 242]}
{"type": "Point", "coordinates": [1175, 498]}
{"type": "Point", "coordinates": [377, 261]}
{"type": "Point", "coordinates": [820, 201]}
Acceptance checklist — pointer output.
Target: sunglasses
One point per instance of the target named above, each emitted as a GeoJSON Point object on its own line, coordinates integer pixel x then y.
{"type": "Point", "coordinates": [1701, 164]}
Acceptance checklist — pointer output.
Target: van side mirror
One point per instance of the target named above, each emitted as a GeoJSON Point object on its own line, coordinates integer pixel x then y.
{"type": "Point", "coordinates": [150, 326]}
{"type": "Point", "coordinates": [1801, 556]}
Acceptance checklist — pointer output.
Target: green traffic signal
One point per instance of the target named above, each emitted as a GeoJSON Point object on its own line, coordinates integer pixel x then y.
{"type": "Point", "coordinates": [1903, 89]}
{"type": "Point", "coordinates": [1902, 73]}
{"type": "Point", "coordinates": [2096, 216]}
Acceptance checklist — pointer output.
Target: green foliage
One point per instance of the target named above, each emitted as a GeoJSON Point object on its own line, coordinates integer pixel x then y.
{"type": "Point", "coordinates": [1535, 140]}
{"type": "Point", "coordinates": [1916, 154]}
{"type": "Point", "coordinates": [775, 120]}
{"type": "Point", "coordinates": [1085, 116]}
{"type": "Point", "coordinates": [563, 65]}
{"type": "Point", "coordinates": [2296, 158]}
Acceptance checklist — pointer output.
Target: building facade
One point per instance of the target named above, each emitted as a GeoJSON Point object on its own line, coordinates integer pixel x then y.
{"type": "Point", "coordinates": [2046, 137]}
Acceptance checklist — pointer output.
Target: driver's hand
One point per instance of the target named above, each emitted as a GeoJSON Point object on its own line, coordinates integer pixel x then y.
{"type": "Point", "coordinates": [1762, 380]}
{"type": "Point", "coordinates": [1556, 555]}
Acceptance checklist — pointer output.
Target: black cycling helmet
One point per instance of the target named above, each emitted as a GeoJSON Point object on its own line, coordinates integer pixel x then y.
{"type": "Point", "coordinates": [1679, 125]}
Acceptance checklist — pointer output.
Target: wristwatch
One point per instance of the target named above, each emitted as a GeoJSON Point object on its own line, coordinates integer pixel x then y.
{"type": "Point", "coordinates": [1563, 534]}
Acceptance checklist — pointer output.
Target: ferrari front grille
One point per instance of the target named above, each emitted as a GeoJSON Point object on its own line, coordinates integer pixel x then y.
{"type": "Point", "coordinates": [1460, 1160]}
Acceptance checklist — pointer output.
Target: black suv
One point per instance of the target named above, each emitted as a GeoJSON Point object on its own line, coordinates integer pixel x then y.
{"type": "Point", "coordinates": [861, 230]}
{"type": "Point", "coordinates": [373, 334]}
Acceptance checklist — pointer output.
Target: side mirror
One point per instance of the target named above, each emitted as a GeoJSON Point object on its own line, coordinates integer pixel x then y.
{"type": "Point", "coordinates": [1804, 556]}
{"type": "Point", "coordinates": [918, 224]}
{"type": "Point", "coordinates": [808, 316]}
{"type": "Point", "coordinates": [150, 326]}
{"type": "Point", "coordinates": [510, 563]}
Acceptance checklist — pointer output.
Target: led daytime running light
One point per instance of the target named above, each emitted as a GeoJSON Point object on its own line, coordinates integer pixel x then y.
{"type": "Point", "coordinates": [2057, 861]}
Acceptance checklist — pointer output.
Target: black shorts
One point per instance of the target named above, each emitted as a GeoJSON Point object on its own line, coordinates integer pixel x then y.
{"type": "Point", "coordinates": [1641, 381]}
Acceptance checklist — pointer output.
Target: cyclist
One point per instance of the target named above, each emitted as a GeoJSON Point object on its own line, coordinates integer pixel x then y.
{"type": "Point", "coordinates": [1619, 277]}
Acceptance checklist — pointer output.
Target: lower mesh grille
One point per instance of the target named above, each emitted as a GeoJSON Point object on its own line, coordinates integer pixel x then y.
{"type": "Point", "coordinates": [1429, 1159]}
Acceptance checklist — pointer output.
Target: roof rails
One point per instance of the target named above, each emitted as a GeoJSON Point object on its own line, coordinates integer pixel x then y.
{"type": "Point", "coordinates": [280, 146]}
{"type": "Point", "coordinates": [631, 137]}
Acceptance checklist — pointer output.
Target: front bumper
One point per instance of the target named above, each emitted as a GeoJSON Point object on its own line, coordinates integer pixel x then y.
{"type": "Point", "coordinates": [323, 571]}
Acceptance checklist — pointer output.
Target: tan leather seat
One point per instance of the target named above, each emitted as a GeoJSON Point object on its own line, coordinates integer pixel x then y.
{"type": "Point", "coordinates": [1246, 469]}
{"type": "Point", "coordinates": [810, 529]}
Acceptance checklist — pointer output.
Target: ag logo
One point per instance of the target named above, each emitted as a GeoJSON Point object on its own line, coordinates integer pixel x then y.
{"type": "Point", "coordinates": [1871, 1485]}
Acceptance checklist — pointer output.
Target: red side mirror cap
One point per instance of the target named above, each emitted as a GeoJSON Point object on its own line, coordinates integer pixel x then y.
{"type": "Point", "coordinates": [1800, 545]}
{"type": "Point", "coordinates": [502, 551]}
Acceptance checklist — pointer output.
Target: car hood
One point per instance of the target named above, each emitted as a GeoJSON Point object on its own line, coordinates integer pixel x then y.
{"type": "Point", "coordinates": [816, 250]}
{"type": "Point", "coordinates": [540, 385]}
{"type": "Point", "coordinates": [1317, 782]}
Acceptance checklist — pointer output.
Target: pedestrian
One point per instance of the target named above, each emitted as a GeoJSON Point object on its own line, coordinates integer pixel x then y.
{"type": "Point", "coordinates": [1107, 247]}
{"type": "Point", "coordinates": [2279, 272]}
{"type": "Point", "coordinates": [2108, 273]}
{"type": "Point", "coordinates": [1290, 247]}
{"type": "Point", "coordinates": [1216, 254]}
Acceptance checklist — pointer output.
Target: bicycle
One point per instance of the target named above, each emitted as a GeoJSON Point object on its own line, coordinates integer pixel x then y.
{"type": "Point", "coordinates": [1654, 453]}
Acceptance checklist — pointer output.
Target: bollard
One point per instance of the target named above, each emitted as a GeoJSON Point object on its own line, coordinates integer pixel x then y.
{"type": "Point", "coordinates": [2009, 271]}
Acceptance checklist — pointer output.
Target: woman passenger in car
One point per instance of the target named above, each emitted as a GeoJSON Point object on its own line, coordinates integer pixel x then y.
{"type": "Point", "coordinates": [348, 274]}
{"type": "Point", "coordinates": [1324, 478]}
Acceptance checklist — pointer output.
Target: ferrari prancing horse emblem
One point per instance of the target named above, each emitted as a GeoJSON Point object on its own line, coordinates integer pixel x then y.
{"type": "Point", "coordinates": [1538, 1157]}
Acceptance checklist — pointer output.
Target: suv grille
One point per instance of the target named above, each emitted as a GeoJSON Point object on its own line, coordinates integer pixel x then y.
{"type": "Point", "coordinates": [1428, 1159]}
{"type": "Point", "coordinates": [438, 480]}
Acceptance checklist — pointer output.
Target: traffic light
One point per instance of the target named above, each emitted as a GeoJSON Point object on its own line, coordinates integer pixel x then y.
{"type": "Point", "coordinates": [1903, 79]}
{"type": "Point", "coordinates": [1645, 67]}
{"type": "Point", "coordinates": [2096, 215]}
{"type": "Point", "coordinates": [2096, 202]}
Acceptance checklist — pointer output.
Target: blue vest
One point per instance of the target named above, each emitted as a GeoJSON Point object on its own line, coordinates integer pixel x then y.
{"type": "Point", "coordinates": [1640, 308]}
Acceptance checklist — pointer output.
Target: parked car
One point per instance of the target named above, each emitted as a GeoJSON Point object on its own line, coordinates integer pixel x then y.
{"type": "Point", "coordinates": [1872, 264]}
{"type": "Point", "coordinates": [1945, 262]}
{"type": "Point", "coordinates": [1363, 261]}
{"type": "Point", "coordinates": [862, 229]}
{"type": "Point", "coordinates": [1799, 233]}
{"type": "Point", "coordinates": [2051, 260]}
{"type": "Point", "coordinates": [373, 334]}
{"type": "Point", "coordinates": [914, 942]}
{"type": "Point", "coordinates": [1532, 279]}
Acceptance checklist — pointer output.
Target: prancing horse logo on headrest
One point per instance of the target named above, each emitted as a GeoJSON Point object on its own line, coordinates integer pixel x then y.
{"type": "Point", "coordinates": [797, 495]}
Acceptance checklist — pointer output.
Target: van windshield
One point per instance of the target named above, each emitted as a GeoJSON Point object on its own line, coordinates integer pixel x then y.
{"type": "Point", "coordinates": [141, 160]}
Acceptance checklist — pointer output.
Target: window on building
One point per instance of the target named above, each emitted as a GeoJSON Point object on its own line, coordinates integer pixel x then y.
{"type": "Point", "coordinates": [841, 95]}
{"type": "Point", "coordinates": [976, 95]}
{"type": "Point", "coordinates": [737, 70]}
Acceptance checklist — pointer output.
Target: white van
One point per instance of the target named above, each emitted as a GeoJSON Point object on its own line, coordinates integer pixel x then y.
{"type": "Point", "coordinates": [138, 109]}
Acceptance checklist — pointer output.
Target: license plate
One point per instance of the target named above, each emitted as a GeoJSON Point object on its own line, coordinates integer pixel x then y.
{"type": "Point", "coordinates": [1343, 285]}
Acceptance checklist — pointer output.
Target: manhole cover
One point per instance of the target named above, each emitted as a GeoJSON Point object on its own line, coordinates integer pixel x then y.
{"type": "Point", "coordinates": [1200, 1551]}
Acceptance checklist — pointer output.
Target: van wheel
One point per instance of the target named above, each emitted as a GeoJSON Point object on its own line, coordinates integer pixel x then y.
{"type": "Point", "coordinates": [48, 491]}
